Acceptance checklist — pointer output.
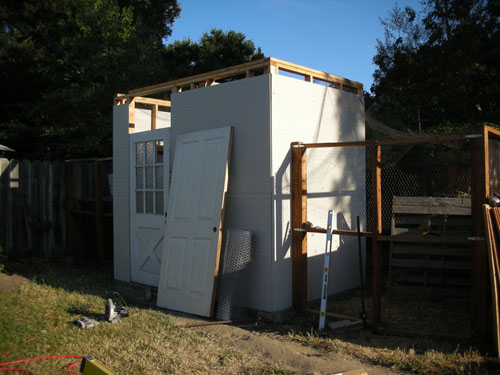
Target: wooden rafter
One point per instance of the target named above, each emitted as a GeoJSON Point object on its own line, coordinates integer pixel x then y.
{"type": "Point", "coordinates": [249, 69]}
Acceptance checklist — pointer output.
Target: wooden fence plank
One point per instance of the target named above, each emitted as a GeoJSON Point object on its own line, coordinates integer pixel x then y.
{"type": "Point", "coordinates": [36, 215]}
{"type": "Point", "coordinates": [25, 237]}
{"type": "Point", "coordinates": [58, 206]}
{"type": "Point", "coordinates": [4, 184]}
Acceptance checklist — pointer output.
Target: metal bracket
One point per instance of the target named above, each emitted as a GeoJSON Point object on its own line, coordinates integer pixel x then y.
{"type": "Point", "coordinates": [473, 136]}
{"type": "Point", "coordinates": [299, 229]}
{"type": "Point", "coordinates": [298, 146]}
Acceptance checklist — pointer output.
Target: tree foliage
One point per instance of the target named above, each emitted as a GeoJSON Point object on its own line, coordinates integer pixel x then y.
{"type": "Point", "coordinates": [62, 61]}
{"type": "Point", "coordinates": [440, 68]}
{"type": "Point", "coordinates": [215, 49]}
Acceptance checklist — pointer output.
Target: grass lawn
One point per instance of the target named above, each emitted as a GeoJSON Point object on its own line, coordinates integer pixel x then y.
{"type": "Point", "coordinates": [146, 342]}
{"type": "Point", "coordinates": [36, 320]}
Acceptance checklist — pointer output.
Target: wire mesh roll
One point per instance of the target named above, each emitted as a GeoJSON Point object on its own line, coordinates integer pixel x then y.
{"type": "Point", "coordinates": [237, 256]}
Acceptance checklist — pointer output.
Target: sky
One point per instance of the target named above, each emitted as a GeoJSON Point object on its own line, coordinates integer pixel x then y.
{"type": "Point", "coordinates": [334, 36]}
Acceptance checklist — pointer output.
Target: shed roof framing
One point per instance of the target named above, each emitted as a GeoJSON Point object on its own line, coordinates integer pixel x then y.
{"type": "Point", "coordinates": [269, 65]}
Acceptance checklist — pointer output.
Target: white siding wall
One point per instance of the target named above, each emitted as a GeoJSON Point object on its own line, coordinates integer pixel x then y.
{"type": "Point", "coordinates": [244, 105]}
{"type": "Point", "coordinates": [142, 118]}
{"type": "Point", "coordinates": [121, 199]}
{"type": "Point", "coordinates": [308, 112]}
{"type": "Point", "coordinates": [268, 113]}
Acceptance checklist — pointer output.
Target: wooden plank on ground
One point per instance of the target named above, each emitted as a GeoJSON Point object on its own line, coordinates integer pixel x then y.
{"type": "Point", "coordinates": [352, 372]}
{"type": "Point", "coordinates": [345, 325]}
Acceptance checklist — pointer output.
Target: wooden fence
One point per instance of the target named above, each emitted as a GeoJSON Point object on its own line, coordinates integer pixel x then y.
{"type": "Point", "coordinates": [52, 208]}
{"type": "Point", "coordinates": [32, 207]}
{"type": "Point", "coordinates": [89, 210]}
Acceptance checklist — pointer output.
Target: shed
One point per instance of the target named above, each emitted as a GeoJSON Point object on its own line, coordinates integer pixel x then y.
{"type": "Point", "coordinates": [269, 103]}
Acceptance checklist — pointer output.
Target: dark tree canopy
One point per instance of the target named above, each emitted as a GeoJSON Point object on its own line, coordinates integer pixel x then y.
{"type": "Point", "coordinates": [62, 62]}
{"type": "Point", "coordinates": [440, 69]}
{"type": "Point", "coordinates": [215, 49]}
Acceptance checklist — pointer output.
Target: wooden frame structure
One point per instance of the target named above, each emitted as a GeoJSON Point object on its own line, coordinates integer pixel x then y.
{"type": "Point", "coordinates": [480, 193]}
{"type": "Point", "coordinates": [269, 65]}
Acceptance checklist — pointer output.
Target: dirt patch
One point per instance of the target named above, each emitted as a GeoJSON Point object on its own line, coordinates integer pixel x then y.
{"type": "Point", "coordinates": [301, 359]}
{"type": "Point", "coordinates": [9, 282]}
{"type": "Point", "coordinates": [412, 310]}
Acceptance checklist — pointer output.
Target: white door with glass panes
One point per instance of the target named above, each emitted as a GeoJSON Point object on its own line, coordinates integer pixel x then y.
{"type": "Point", "coordinates": [149, 187]}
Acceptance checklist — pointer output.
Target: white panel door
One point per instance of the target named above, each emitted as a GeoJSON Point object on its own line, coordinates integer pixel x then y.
{"type": "Point", "coordinates": [193, 231]}
{"type": "Point", "coordinates": [149, 179]}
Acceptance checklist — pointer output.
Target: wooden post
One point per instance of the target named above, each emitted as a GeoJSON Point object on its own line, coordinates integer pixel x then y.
{"type": "Point", "coordinates": [376, 159]}
{"type": "Point", "coordinates": [154, 116]}
{"type": "Point", "coordinates": [68, 215]}
{"type": "Point", "coordinates": [99, 240]}
{"type": "Point", "coordinates": [299, 217]}
{"type": "Point", "coordinates": [479, 277]}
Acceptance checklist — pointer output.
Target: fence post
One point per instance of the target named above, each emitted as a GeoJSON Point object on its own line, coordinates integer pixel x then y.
{"type": "Point", "coordinates": [299, 217]}
{"type": "Point", "coordinates": [480, 191]}
{"type": "Point", "coordinates": [376, 159]}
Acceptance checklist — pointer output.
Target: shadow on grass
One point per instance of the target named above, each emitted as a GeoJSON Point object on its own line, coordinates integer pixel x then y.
{"type": "Point", "coordinates": [84, 279]}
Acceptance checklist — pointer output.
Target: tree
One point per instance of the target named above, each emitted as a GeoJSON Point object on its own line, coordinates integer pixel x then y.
{"type": "Point", "coordinates": [215, 49]}
{"type": "Point", "coordinates": [61, 63]}
{"type": "Point", "coordinates": [449, 76]}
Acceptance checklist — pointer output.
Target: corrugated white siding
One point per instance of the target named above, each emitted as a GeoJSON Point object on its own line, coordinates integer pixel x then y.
{"type": "Point", "coordinates": [244, 105]}
{"type": "Point", "coordinates": [307, 112]}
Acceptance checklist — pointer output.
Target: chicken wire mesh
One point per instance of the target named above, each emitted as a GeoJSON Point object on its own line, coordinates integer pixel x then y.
{"type": "Point", "coordinates": [494, 164]}
{"type": "Point", "coordinates": [426, 192]}
{"type": "Point", "coordinates": [237, 256]}
{"type": "Point", "coordinates": [441, 170]}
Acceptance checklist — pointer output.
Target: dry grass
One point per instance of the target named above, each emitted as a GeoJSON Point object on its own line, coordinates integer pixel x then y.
{"type": "Point", "coordinates": [147, 342]}
{"type": "Point", "coordinates": [427, 361]}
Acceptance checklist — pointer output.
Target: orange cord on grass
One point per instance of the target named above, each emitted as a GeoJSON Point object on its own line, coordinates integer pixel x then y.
{"type": "Point", "coordinates": [55, 316]}
{"type": "Point", "coordinates": [18, 370]}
